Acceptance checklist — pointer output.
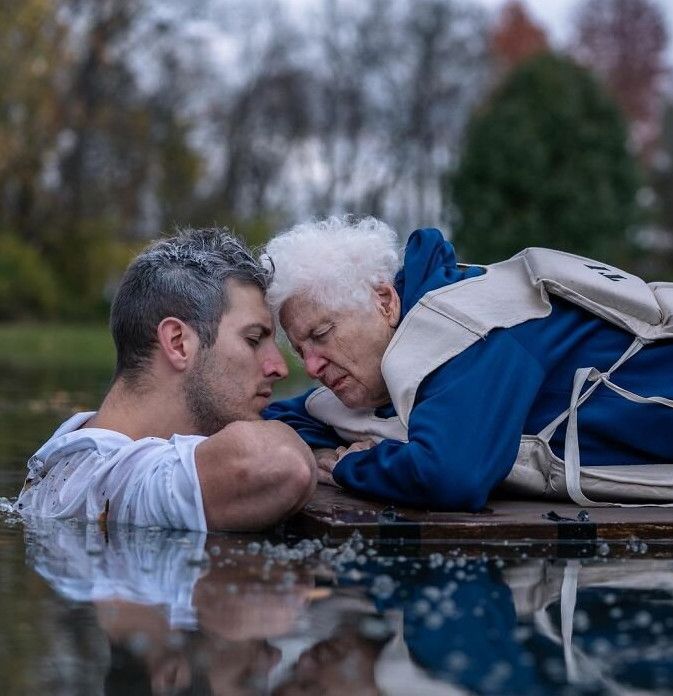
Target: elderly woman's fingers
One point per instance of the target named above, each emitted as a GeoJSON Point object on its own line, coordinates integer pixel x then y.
{"type": "Point", "coordinates": [355, 447]}
{"type": "Point", "coordinates": [326, 478]}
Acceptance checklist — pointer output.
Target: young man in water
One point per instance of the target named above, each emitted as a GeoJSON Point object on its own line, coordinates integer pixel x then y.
{"type": "Point", "coordinates": [178, 441]}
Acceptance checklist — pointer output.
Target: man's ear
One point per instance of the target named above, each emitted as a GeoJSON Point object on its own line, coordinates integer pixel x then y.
{"type": "Point", "coordinates": [178, 342]}
{"type": "Point", "coordinates": [388, 303]}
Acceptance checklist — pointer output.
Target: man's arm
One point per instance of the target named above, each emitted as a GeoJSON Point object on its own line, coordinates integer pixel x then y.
{"type": "Point", "coordinates": [253, 474]}
{"type": "Point", "coordinates": [464, 432]}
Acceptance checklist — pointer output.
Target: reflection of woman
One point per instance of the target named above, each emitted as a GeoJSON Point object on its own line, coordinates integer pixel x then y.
{"type": "Point", "coordinates": [343, 663]}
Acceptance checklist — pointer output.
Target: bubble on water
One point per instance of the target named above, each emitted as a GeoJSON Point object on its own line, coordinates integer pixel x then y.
{"type": "Point", "coordinates": [616, 613]}
{"type": "Point", "coordinates": [253, 548]}
{"type": "Point", "coordinates": [642, 619]}
{"type": "Point", "coordinates": [457, 661]}
{"type": "Point", "coordinates": [499, 563]}
{"type": "Point", "coordinates": [327, 554]}
{"type": "Point", "coordinates": [289, 579]}
{"type": "Point", "coordinates": [499, 672]}
{"type": "Point", "coordinates": [383, 586]}
{"type": "Point", "coordinates": [374, 628]}
{"type": "Point", "coordinates": [581, 621]}
{"type": "Point", "coordinates": [434, 621]}
{"type": "Point", "coordinates": [447, 607]}
{"type": "Point", "coordinates": [215, 551]}
{"type": "Point", "coordinates": [435, 560]}
{"type": "Point", "coordinates": [603, 549]}
{"type": "Point", "coordinates": [198, 559]}
{"type": "Point", "coordinates": [421, 607]}
{"type": "Point", "coordinates": [354, 575]}
{"type": "Point", "coordinates": [601, 646]}
{"type": "Point", "coordinates": [522, 633]}
{"type": "Point", "coordinates": [138, 643]}
{"type": "Point", "coordinates": [609, 598]}
{"type": "Point", "coordinates": [432, 593]}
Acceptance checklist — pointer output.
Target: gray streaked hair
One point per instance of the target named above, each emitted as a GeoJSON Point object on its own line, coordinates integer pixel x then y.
{"type": "Point", "coordinates": [335, 262]}
{"type": "Point", "coordinates": [184, 276]}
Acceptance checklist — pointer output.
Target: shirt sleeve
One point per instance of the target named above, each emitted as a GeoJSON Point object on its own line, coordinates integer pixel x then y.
{"type": "Point", "coordinates": [293, 412]}
{"type": "Point", "coordinates": [163, 488]}
{"type": "Point", "coordinates": [464, 431]}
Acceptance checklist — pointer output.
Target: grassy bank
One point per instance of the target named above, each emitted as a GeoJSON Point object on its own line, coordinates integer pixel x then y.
{"type": "Point", "coordinates": [86, 347]}
{"type": "Point", "coordinates": [57, 346]}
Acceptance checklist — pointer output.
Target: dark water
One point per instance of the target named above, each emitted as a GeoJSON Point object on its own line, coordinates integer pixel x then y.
{"type": "Point", "coordinates": [88, 610]}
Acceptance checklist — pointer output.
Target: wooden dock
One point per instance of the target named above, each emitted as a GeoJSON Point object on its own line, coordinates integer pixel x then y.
{"type": "Point", "coordinates": [337, 514]}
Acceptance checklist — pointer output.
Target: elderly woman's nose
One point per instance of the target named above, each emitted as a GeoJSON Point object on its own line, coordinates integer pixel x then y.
{"type": "Point", "coordinates": [314, 363]}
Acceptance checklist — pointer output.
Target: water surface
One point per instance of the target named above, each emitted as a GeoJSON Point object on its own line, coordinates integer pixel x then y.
{"type": "Point", "coordinates": [86, 609]}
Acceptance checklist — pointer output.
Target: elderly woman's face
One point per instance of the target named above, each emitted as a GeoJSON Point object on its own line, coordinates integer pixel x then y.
{"type": "Point", "coordinates": [343, 349]}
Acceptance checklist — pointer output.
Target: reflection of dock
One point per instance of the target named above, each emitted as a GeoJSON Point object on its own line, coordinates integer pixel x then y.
{"type": "Point", "coordinates": [338, 514]}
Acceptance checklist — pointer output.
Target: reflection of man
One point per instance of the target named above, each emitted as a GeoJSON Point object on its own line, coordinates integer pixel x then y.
{"type": "Point", "coordinates": [169, 613]}
{"type": "Point", "coordinates": [177, 441]}
{"type": "Point", "coordinates": [465, 376]}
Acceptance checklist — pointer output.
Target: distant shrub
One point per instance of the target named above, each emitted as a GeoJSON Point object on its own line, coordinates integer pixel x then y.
{"type": "Point", "coordinates": [28, 288]}
{"type": "Point", "coordinates": [546, 163]}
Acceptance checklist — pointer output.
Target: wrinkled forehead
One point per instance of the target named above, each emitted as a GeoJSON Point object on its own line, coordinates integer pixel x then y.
{"type": "Point", "coordinates": [301, 314]}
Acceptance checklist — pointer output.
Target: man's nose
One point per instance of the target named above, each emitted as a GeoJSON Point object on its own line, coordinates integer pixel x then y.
{"type": "Point", "coordinates": [274, 365]}
{"type": "Point", "coordinates": [315, 364]}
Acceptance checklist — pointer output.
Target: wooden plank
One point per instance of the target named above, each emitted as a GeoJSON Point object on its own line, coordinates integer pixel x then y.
{"type": "Point", "coordinates": [337, 514]}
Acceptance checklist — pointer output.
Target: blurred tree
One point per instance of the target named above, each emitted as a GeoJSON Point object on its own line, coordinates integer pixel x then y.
{"type": "Point", "coordinates": [661, 179]}
{"type": "Point", "coordinates": [623, 42]}
{"type": "Point", "coordinates": [545, 164]}
{"type": "Point", "coordinates": [516, 36]}
{"type": "Point", "coordinates": [27, 285]}
{"type": "Point", "coordinates": [33, 60]}
{"type": "Point", "coordinates": [89, 156]}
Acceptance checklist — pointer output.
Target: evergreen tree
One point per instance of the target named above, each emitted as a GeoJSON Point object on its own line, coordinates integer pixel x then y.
{"type": "Point", "coordinates": [545, 164]}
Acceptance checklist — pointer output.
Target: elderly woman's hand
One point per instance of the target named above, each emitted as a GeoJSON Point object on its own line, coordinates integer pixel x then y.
{"type": "Point", "coordinates": [341, 452]}
{"type": "Point", "coordinates": [325, 459]}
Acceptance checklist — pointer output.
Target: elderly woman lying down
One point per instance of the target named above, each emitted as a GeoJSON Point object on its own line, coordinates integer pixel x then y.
{"type": "Point", "coordinates": [442, 382]}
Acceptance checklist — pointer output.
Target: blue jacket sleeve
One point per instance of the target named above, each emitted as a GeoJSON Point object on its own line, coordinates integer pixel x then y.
{"type": "Point", "coordinates": [293, 412]}
{"type": "Point", "coordinates": [464, 431]}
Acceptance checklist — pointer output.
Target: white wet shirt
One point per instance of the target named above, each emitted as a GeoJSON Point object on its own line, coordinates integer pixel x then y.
{"type": "Point", "coordinates": [154, 567]}
{"type": "Point", "coordinates": [148, 482]}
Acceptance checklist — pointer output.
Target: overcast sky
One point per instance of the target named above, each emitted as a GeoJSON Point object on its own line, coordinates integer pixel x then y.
{"type": "Point", "coordinates": [556, 17]}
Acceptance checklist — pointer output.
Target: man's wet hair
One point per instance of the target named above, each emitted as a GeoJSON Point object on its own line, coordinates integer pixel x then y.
{"type": "Point", "coordinates": [186, 277]}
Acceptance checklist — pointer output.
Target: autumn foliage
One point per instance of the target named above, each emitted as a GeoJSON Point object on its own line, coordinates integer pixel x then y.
{"type": "Point", "coordinates": [516, 37]}
{"type": "Point", "coordinates": [623, 43]}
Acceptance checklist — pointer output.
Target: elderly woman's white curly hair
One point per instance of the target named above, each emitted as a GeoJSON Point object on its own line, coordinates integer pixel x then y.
{"type": "Point", "coordinates": [335, 262]}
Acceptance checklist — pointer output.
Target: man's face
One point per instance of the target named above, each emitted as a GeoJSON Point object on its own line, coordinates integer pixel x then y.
{"type": "Point", "coordinates": [233, 379]}
{"type": "Point", "coordinates": [341, 349]}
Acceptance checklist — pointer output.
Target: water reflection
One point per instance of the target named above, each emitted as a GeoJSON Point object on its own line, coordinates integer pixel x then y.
{"type": "Point", "coordinates": [179, 612]}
